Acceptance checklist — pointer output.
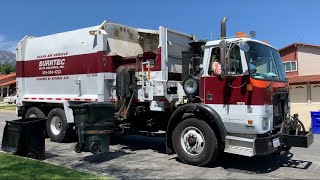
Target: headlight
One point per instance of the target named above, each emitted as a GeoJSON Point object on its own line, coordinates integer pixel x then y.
{"type": "Point", "coordinates": [265, 124]}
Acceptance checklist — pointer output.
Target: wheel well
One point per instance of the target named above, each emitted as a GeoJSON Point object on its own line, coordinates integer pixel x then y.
{"type": "Point", "coordinates": [211, 118]}
{"type": "Point", "coordinates": [44, 107]}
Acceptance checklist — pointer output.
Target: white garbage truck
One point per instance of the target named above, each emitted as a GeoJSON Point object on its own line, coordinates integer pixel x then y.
{"type": "Point", "coordinates": [226, 95]}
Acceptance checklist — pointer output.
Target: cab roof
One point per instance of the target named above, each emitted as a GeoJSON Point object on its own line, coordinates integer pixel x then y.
{"type": "Point", "coordinates": [216, 42]}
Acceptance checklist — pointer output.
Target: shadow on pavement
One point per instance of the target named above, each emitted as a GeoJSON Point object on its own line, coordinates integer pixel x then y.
{"type": "Point", "coordinates": [103, 157]}
{"type": "Point", "coordinates": [49, 155]}
{"type": "Point", "coordinates": [261, 164]}
{"type": "Point", "coordinates": [136, 142]}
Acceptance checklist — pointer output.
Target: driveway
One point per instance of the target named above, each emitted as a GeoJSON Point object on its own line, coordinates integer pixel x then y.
{"type": "Point", "coordinates": [143, 157]}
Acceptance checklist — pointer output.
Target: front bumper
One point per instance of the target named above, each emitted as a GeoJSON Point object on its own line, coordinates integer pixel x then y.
{"type": "Point", "coordinates": [265, 145]}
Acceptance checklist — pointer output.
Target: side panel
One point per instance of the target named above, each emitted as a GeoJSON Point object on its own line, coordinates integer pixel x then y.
{"type": "Point", "coordinates": [66, 87]}
{"type": "Point", "coordinates": [236, 105]}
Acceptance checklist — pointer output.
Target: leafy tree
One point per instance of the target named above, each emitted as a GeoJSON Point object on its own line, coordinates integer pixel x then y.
{"type": "Point", "coordinates": [7, 68]}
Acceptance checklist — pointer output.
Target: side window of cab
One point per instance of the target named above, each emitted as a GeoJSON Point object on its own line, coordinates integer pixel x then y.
{"type": "Point", "coordinates": [214, 63]}
{"type": "Point", "coordinates": [235, 61]}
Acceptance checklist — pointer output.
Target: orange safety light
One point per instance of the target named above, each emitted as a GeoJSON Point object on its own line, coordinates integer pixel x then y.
{"type": "Point", "coordinates": [250, 122]}
{"type": "Point", "coordinates": [241, 35]}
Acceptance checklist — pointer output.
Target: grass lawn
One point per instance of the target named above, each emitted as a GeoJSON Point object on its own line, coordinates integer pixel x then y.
{"type": "Point", "coordinates": [8, 107]}
{"type": "Point", "coordinates": [15, 167]}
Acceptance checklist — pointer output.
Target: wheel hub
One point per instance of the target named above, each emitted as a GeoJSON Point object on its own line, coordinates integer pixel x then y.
{"type": "Point", "coordinates": [192, 140]}
{"type": "Point", "coordinates": [56, 125]}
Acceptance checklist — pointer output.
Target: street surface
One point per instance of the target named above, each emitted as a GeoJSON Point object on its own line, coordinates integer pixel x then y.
{"type": "Point", "coordinates": [144, 157]}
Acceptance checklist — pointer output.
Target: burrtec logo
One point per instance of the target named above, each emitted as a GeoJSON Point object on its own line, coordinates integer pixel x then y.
{"type": "Point", "coordinates": [52, 62]}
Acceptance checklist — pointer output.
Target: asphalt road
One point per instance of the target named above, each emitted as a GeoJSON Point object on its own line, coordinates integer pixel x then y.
{"type": "Point", "coordinates": [144, 157]}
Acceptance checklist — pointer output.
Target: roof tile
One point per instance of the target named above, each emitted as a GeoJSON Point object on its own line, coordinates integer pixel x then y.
{"type": "Point", "coordinates": [304, 79]}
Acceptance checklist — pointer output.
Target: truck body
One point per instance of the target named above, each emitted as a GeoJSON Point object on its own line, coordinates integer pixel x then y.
{"type": "Point", "coordinates": [163, 80]}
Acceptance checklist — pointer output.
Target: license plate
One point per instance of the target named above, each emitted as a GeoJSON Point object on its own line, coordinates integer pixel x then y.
{"type": "Point", "coordinates": [276, 142]}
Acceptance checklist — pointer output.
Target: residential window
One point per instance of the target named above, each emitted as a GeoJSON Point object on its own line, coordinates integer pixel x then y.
{"type": "Point", "coordinates": [290, 66]}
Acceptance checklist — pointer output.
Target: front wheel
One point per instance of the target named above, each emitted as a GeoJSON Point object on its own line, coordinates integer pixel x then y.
{"type": "Point", "coordinates": [195, 142]}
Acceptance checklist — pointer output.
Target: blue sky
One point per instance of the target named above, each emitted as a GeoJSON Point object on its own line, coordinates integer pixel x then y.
{"type": "Point", "coordinates": [278, 22]}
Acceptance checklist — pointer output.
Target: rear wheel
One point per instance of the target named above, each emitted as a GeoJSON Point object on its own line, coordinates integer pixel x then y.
{"type": "Point", "coordinates": [34, 112]}
{"type": "Point", "coordinates": [57, 125]}
{"type": "Point", "coordinates": [195, 142]}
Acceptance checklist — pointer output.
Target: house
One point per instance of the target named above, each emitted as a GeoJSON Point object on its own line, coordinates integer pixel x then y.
{"type": "Point", "coordinates": [7, 84]}
{"type": "Point", "coordinates": [302, 65]}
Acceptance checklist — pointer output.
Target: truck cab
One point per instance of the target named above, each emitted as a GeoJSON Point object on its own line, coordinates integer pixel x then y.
{"type": "Point", "coordinates": [241, 92]}
{"type": "Point", "coordinates": [243, 97]}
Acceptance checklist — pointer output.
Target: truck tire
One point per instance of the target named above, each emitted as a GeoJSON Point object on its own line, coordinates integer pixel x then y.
{"type": "Point", "coordinates": [34, 112]}
{"type": "Point", "coordinates": [195, 142]}
{"type": "Point", "coordinates": [57, 125]}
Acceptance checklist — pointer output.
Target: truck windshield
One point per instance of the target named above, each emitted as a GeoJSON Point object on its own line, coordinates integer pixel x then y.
{"type": "Point", "coordinates": [265, 62]}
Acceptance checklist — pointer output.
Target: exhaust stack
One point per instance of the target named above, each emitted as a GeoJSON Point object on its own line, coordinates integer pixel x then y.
{"type": "Point", "coordinates": [223, 28]}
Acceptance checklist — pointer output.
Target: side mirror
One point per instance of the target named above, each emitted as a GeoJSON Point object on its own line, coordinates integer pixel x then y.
{"type": "Point", "coordinates": [223, 58]}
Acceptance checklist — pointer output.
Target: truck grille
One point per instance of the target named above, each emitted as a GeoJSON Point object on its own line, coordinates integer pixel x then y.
{"type": "Point", "coordinates": [280, 107]}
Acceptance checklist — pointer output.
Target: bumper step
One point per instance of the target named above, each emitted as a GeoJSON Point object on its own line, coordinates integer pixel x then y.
{"type": "Point", "coordinates": [240, 146]}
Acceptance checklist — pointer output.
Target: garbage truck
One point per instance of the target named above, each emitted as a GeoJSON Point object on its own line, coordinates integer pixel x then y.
{"type": "Point", "coordinates": [226, 95]}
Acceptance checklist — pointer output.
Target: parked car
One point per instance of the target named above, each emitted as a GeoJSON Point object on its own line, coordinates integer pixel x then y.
{"type": "Point", "coordinates": [10, 99]}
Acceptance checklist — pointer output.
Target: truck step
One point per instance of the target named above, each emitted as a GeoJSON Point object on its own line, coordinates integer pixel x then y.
{"type": "Point", "coordinates": [240, 146]}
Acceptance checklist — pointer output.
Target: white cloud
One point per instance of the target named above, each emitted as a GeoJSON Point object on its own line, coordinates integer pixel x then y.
{"type": "Point", "coordinates": [7, 45]}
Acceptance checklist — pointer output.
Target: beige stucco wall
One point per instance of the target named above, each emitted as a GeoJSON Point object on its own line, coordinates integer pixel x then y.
{"type": "Point", "coordinates": [304, 112]}
{"type": "Point", "coordinates": [308, 60]}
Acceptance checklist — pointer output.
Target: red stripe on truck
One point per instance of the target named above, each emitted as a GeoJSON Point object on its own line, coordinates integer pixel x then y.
{"type": "Point", "coordinates": [68, 65]}
{"type": "Point", "coordinates": [58, 98]}
{"type": "Point", "coordinates": [33, 98]}
{"type": "Point", "coordinates": [41, 98]}
{"type": "Point", "coordinates": [25, 98]}
{"type": "Point", "coordinates": [49, 98]}
{"type": "Point", "coordinates": [87, 99]}
{"type": "Point", "coordinates": [77, 99]}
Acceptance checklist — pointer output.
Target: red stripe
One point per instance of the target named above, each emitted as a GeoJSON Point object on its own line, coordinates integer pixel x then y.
{"type": "Point", "coordinates": [96, 99]}
{"type": "Point", "coordinates": [67, 99]}
{"type": "Point", "coordinates": [234, 91]}
{"type": "Point", "coordinates": [33, 98]}
{"type": "Point", "coordinates": [26, 98]}
{"type": "Point", "coordinates": [49, 98]}
{"type": "Point", "coordinates": [77, 64]}
{"type": "Point", "coordinates": [77, 99]}
{"type": "Point", "coordinates": [87, 99]}
{"type": "Point", "coordinates": [58, 98]}
{"type": "Point", "coordinates": [41, 98]}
